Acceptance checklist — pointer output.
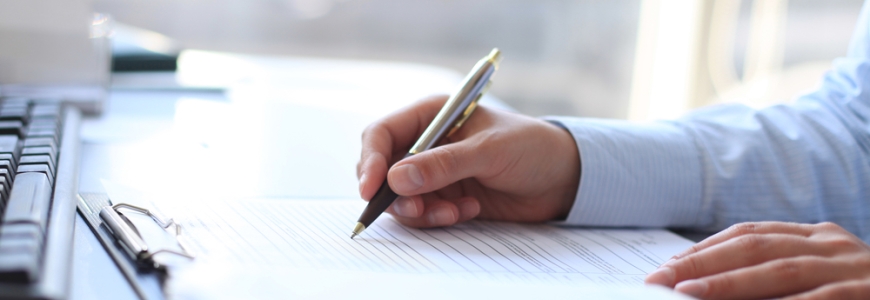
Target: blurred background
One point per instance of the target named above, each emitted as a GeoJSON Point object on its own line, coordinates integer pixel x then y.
{"type": "Point", "coordinates": [637, 59]}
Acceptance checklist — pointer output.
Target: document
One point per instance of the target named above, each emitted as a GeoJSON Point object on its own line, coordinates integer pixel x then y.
{"type": "Point", "coordinates": [314, 234]}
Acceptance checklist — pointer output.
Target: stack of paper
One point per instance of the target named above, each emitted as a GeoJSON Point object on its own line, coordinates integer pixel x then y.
{"type": "Point", "coordinates": [276, 248]}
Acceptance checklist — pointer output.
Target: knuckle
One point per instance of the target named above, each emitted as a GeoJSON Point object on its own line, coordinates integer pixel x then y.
{"type": "Point", "coordinates": [789, 270]}
{"type": "Point", "coordinates": [752, 242]}
{"type": "Point", "coordinates": [373, 160]}
{"type": "Point", "coordinates": [843, 243]}
{"type": "Point", "coordinates": [695, 248]}
{"type": "Point", "coordinates": [743, 228]}
{"type": "Point", "coordinates": [692, 267]}
{"type": "Point", "coordinates": [445, 160]}
{"type": "Point", "coordinates": [829, 226]}
{"type": "Point", "coordinates": [369, 130]}
{"type": "Point", "coordinates": [722, 284]}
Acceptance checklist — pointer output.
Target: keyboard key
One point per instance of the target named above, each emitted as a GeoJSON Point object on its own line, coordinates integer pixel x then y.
{"type": "Point", "coordinates": [16, 101]}
{"type": "Point", "coordinates": [9, 144]}
{"type": "Point", "coordinates": [39, 151]}
{"type": "Point", "coordinates": [41, 142]}
{"type": "Point", "coordinates": [37, 160]}
{"type": "Point", "coordinates": [14, 243]}
{"type": "Point", "coordinates": [30, 201]}
{"type": "Point", "coordinates": [22, 236]}
{"type": "Point", "coordinates": [43, 124]}
{"type": "Point", "coordinates": [41, 133]}
{"type": "Point", "coordinates": [21, 231]}
{"type": "Point", "coordinates": [33, 169]}
{"type": "Point", "coordinates": [14, 114]}
{"type": "Point", "coordinates": [15, 106]}
{"type": "Point", "coordinates": [18, 265]}
{"type": "Point", "coordinates": [47, 110]}
{"type": "Point", "coordinates": [9, 158]}
{"type": "Point", "coordinates": [20, 250]}
{"type": "Point", "coordinates": [7, 175]}
{"type": "Point", "coordinates": [4, 193]}
{"type": "Point", "coordinates": [12, 127]}
{"type": "Point", "coordinates": [8, 168]}
{"type": "Point", "coordinates": [6, 163]}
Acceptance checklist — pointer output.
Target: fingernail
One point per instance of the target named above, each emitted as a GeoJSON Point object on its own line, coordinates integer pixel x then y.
{"type": "Point", "coordinates": [407, 178]}
{"type": "Point", "coordinates": [362, 181]}
{"type": "Point", "coordinates": [667, 263]}
{"type": "Point", "coordinates": [405, 207]}
{"type": "Point", "coordinates": [441, 216]}
{"type": "Point", "coordinates": [662, 276]}
{"type": "Point", "coordinates": [694, 288]}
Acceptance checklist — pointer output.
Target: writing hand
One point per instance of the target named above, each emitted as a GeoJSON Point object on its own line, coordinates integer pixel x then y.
{"type": "Point", "coordinates": [772, 259]}
{"type": "Point", "coordinates": [498, 165]}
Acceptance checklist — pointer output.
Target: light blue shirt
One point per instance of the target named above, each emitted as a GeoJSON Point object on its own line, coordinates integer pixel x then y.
{"type": "Point", "coordinates": [803, 162]}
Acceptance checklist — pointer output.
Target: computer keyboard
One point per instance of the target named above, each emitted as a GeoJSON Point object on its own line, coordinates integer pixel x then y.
{"type": "Point", "coordinates": [38, 180]}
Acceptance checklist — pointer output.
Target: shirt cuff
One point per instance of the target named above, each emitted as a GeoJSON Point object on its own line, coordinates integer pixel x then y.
{"type": "Point", "coordinates": [634, 175]}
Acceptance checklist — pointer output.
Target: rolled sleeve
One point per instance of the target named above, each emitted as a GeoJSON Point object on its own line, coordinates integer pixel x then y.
{"type": "Point", "coordinates": [646, 175]}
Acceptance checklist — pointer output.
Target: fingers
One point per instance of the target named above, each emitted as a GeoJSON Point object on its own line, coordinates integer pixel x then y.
{"type": "Point", "coordinates": [433, 211]}
{"type": "Point", "coordinates": [393, 134]}
{"type": "Point", "coordinates": [846, 290]}
{"type": "Point", "coordinates": [768, 280]}
{"type": "Point", "coordinates": [410, 207]}
{"type": "Point", "coordinates": [743, 251]}
{"type": "Point", "coordinates": [769, 259]}
{"type": "Point", "coordinates": [371, 173]}
{"type": "Point", "coordinates": [439, 167]}
{"type": "Point", "coordinates": [749, 228]}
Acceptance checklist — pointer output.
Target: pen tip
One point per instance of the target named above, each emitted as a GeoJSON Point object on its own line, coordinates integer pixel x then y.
{"type": "Point", "coordinates": [357, 230]}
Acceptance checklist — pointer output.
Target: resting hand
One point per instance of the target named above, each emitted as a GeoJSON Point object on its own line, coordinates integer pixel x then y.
{"type": "Point", "coordinates": [772, 259]}
{"type": "Point", "coordinates": [498, 165]}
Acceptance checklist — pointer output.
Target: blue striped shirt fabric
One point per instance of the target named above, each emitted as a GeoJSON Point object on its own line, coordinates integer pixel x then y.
{"type": "Point", "coordinates": [808, 161]}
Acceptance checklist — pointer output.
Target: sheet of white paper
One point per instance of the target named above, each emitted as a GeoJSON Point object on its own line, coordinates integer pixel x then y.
{"type": "Point", "coordinates": [314, 234]}
{"type": "Point", "coordinates": [214, 281]}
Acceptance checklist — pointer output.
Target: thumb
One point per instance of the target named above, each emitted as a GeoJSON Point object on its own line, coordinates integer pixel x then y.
{"type": "Point", "coordinates": [438, 167]}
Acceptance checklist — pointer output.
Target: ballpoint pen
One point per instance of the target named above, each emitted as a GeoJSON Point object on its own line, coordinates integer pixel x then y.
{"type": "Point", "coordinates": [452, 115]}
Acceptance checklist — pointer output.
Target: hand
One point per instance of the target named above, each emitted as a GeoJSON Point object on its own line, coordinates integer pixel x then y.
{"type": "Point", "coordinates": [772, 259]}
{"type": "Point", "coordinates": [499, 165]}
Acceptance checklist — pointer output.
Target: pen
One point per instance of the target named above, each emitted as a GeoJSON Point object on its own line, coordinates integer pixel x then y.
{"type": "Point", "coordinates": [452, 115]}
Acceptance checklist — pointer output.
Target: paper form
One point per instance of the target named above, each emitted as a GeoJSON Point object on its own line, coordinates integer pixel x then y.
{"type": "Point", "coordinates": [314, 234]}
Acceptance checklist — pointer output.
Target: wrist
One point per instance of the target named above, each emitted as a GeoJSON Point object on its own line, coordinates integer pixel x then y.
{"type": "Point", "coordinates": [570, 171]}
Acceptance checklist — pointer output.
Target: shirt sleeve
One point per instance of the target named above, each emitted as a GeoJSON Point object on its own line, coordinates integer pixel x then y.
{"type": "Point", "coordinates": [803, 162]}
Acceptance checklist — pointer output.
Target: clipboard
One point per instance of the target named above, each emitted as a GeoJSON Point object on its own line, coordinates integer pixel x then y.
{"type": "Point", "coordinates": [120, 228]}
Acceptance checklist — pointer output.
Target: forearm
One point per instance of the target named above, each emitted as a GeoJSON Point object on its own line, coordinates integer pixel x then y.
{"type": "Point", "coordinates": [806, 162]}
{"type": "Point", "coordinates": [634, 174]}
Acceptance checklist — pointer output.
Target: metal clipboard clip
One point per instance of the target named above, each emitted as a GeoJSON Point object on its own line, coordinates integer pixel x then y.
{"type": "Point", "coordinates": [128, 236]}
